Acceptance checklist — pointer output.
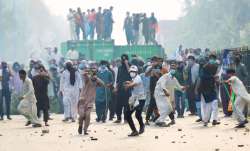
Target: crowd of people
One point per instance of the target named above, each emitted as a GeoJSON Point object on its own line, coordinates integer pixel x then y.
{"type": "Point", "coordinates": [85, 25]}
{"type": "Point", "coordinates": [117, 89]}
{"type": "Point", "coordinates": [90, 23]}
{"type": "Point", "coordinates": [140, 23]}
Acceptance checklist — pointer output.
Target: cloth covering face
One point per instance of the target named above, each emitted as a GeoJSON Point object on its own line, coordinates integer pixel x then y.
{"type": "Point", "coordinates": [70, 93]}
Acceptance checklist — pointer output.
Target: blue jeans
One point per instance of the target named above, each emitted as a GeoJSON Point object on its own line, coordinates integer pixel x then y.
{"type": "Point", "coordinates": [92, 30]}
{"type": "Point", "coordinates": [198, 106]}
{"type": "Point", "coordinates": [180, 102]}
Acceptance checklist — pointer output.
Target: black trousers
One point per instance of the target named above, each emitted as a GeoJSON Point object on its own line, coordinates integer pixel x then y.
{"type": "Point", "coordinates": [191, 99]}
{"type": "Point", "coordinates": [5, 96]}
{"type": "Point", "coordinates": [138, 111]}
{"type": "Point", "coordinates": [122, 103]}
{"type": "Point", "coordinates": [151, 107]}
{"type": "Point", "coordinates": [45, 114]}
{"type": "Point", "coordinates": [112, 105]}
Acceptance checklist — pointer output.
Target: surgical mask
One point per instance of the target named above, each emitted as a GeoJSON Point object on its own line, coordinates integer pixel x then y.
{"type": "Point", "coordinates": [190, 62]}
{"type": "Point", "coordinates": [132, 74]}
{"type": "Point", "coordinates": [102, 68]}
{"type": "Point", "coordinates": [172, 71]}
{"type": "Point", "coordinates": [211, 61]}
{"type": "Point", "coordinates": [81, 66]}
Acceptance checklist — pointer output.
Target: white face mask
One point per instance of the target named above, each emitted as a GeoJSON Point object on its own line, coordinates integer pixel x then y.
{"type": "Point", "coordinates": [190, 62]}
{"type": "Point", "coordinates": [132, 74]}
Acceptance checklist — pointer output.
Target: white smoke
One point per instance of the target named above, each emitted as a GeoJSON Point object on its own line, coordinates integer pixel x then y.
{"type": "Point", "coordinates": [26, 28]}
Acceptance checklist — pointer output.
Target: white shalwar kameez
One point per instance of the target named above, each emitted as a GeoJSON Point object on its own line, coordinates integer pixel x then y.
{"type": "Point", "coordinates": [167, 81]}
{"type": "Point", "coordinates": [70, 93]}
{"type": "Point", "coordinates": [209, 110]}
{"type": "Point", "coordinates": [242, 97]}
{"type": "Point", "coordinates": [27, 106]}
{"type": "Point", "coordinates": [72, 26]}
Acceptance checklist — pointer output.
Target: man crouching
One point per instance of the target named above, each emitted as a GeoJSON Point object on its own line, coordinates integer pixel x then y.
{"type": "Point", "coordinates": [164, 91]}
{"type": "Point", "coordinates": [27, 106]}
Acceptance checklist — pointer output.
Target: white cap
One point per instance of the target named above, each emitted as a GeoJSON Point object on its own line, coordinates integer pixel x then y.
{"type": "Point", "coordinates": [133, 68]}
{"type": "Point", "coordinates": [68, 61]}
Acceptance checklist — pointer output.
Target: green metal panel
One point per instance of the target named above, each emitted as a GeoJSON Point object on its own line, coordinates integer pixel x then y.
{"type": "Point", "coordinates": [64, 48]}
{"type": "Point", "coordinates": [143, 51]}
{"type": "Point", "coordinates": [103, 51]}
{"type": "Point", "coordinates": [106, 50]}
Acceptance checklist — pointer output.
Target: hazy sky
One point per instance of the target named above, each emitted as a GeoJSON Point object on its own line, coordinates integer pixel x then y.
{"type": "Point", "coordinates": [164, 9]}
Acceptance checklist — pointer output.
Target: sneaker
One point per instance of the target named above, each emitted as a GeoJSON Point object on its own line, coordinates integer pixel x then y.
{"type": "Point", "coordinates": [86, 133]}
{"type": "Point", "coordinates": [205, 124]}
{"type": "Point", "coordinates": [155, 118]}
{"type": "Point", "coordinates": [73, 120]}
{"type": "Point", "coordinates": [180, 116]}
{"type": "Point", "coordinates": [134, 133]}
{"type": "Point", "coordinates": [242, 124]}
{"type": "Point", "coordinates": [36, 125]}
{"type": "Point", "coordinates": [172, 122]}
{"type": "Point", "coordinates": [46, 124]}
{"type": "Point", "coordinates": [162, 124]}
{"type": "Point", "coordinates": [97, 120]}
{"type": "Point", "coordinates": [28, 123]}
{"type": "Point", "coordinates": [80, 130]}
{"type": "Point", "coordinates": [147, 123]}
{"type": "Point", "coordinates": [65, 120]}
{"type": "Point", "coordinates": [215, 122]}
{"type": "Point", "coordinates": [117, 121]}
{"type": "Point", "coordinates": [142, 130]}
{"type": "Point", "coordinates": [199, 120]}
{"type": "Point", "coordinates": [9, 118]}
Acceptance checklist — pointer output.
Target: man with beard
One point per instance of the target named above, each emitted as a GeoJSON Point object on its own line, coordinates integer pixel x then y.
{"type": "Point", "coordinates": [191, 76]}
{"type": "Point", "coordinates": [122, 93]}
{"type": "Point", "coordinates": [87, 99]}
{"type": "Point", "coordinates": [103, 93]}
{"type": "Point", "coordinates": [207, 87]}
{"type": "Point", "coordinates": [40, 83]}
{"type": "Point", "coordinates": [154, 72]}
{"type": "Point", "coordinates": [27, 106]}
{"type": "Point", "coordinates": [164, 94]}
{"type": "Point", "coordinates": [70, 87]}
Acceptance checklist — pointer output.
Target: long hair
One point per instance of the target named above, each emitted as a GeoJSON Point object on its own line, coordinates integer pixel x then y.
{"type": "Point", "coordinates": [72, 72]}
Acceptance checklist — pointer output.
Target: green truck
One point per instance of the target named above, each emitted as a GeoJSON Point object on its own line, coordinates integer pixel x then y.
{"type": "Point", "coordinates": [107, 50]}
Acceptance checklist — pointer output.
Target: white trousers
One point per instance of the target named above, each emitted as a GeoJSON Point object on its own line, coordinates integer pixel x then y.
{"type": "Point", "coordinates": [209, 110]}
{"type": "Point", "coordinates": [164, 106]}
{"type": "Point", "coordinates": [70, 101]}
{"type": "Point", "coordinates": [72, 31]}
{"type": "Point", "coordinates": [239, 107]}
{"type": "Point", "coordinates": [29, 110]}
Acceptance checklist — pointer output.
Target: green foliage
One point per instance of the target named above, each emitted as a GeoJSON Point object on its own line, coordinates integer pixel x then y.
{"type": "Point", "coordinates": [215, 24]}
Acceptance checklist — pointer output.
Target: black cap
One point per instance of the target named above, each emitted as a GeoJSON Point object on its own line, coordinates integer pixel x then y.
{"type": "Point", "coordinates": [231, 71]}
{"type": "Point", "coordinates": [124, 57]}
